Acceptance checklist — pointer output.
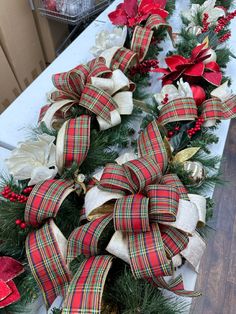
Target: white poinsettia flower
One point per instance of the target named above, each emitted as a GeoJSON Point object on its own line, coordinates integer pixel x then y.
{"type": "Point", "coordinates": [223, 92]}
{"type": "Point", "coordinates": [207, 7]}
{"type": "Point", "coordinates": [170, 92]}
{"type": "Point", "coordinates": [108, 39]}
{"type": "Point", "coordinates": [34, 160]}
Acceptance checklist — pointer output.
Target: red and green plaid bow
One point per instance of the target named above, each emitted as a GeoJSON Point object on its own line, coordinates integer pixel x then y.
{"type": "Point", "coordinates": [142, 36]}
{"type": "Point", "coordinates": [150, 201]}
{"type": "Point", "coordinates": [75, 88]}
{"type": "Point", "coordinates": [154, 202]}
{"type": "Point", "coordinates": [185, 109]}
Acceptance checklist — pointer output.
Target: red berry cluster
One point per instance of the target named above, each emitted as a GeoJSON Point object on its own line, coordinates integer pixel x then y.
{"type": "Point", "coordinates": [223, 21]}
{"type": "Point", "coordinates": [205, 23]}
{"type": "Point", "coordinates": [173, 132]}
{"type": "Point", "coordinates": [197, 127]}
{"type": "Point", "coordinates": [165, 99]}
{"type": "Point", "coordinates": [225, 37]}
{"type": "Point", "coordinates": [15, 197]}
{"type": "Point", "coordinates": [20, 223]}
{"type": "Point", "coordinates": [144, 67]}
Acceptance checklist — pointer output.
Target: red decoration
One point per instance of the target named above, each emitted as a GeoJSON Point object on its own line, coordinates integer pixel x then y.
{"type": "Point", "coordinates": [197, 127]}
{"type": "Point", "coordinates": [23, 225]}
{"type": "Point", "coordinates": [205, 23]}
{"type": "Point", "coordinates": [18, 222]}
{"type": "Point", "coordinates": [192, 68]}
{"type": "Point", "coordinates": [144, 67]}
{"type": "Point", "coordinates": [224, 21]}
{"type": "Point", "coordinates": [199, 94]}
{"type": "Point", "coordinates": [225, 37]}
{"type": "Point", "coordinates": [9, 269]}
{"type": "Point", "coordinates": [50, 5]}
{"type": "Point", "coordinates": [130, 13]}
{"type": "Point", "coordinates": [14, 197]}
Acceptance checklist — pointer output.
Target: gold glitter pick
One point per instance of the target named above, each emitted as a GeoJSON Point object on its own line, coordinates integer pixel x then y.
{"type": "Point", "coordinates": [168, 148]}
{"type": "Point", "coordinates": [185, 154]}
{"type": "Point", "coordinates": [206, 42]}
{"type": "Point", "coordinates": [101, 210]}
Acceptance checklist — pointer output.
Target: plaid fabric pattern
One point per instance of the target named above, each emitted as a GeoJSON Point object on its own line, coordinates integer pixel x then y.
{"type": "Point", "coordinates": [114, 180]}
{"type": "Point", "coordinates": [155, 21]}
{"type": "Point", "coordinates": [43, 111]}
{"type": "Point", "coordinates": [178, 110]}
{"type": "Point", "coordinates": [150, 143]}
{"type": "Point", "coordinates": [131, 214]}
{"type": "Point", "coordinates": [84, 240]}
{"type": "Point", "coordinates": [45, 200]}
{"type": "Point", "coordinates": [98, 101]}
{"type": "Point", "coordinates": [76, 140]}
{"type": "Point", "coordinates": [173, 180]}
{"type": "Point", "coordinates": [212, 109]}
{"type": "Point", "coordinates": [141, 40]}
{"type": "Point", "coordinates": [174, 240]}
{"type": "Point", "coordinates": [86, 288]}
{"type": "Point", "coordinates": [142, 172]}
{"type": "Point", "coordinates": [147, 254]}
{"type": "Point", "coordinates": [123, 59]}
{"type": "Point", "coordinates": [46, 263]}
{"type": "Point", "coordinates": [98, 68]}
{"type": "Point", "coordinates": [164, 201]}
{"type": "Point", "coordinates": [215, 109]}
{"type": "Point", "coordinates": [175, 285]}
{"type": "Point", "coordinates": [73, 81]}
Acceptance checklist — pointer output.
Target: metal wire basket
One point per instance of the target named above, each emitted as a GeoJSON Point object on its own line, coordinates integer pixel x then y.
{"type": "Point", "coordinates": [72, 11]}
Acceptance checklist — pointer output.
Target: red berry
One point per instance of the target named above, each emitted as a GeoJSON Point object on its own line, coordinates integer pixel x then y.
{"type": "Point", "coordinates": [170, 133]}
{"type": "Point", "coordinates": [23, 225]}
{"type": "Point", "coordinates": [18, 221]}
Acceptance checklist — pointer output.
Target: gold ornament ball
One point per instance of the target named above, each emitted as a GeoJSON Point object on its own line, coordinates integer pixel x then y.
{"type": "Point", "coordinates": [196, 171]}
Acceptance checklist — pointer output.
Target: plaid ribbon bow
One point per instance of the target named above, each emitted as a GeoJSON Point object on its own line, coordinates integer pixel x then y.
{"type": "Point", "coordinates": [77, 87]}
{"type": "Point", "coordinates": [146, 214]}
{"type": "Point", "coordinates": [186, 109]}
{"type": "Point", "coordinates": [142, 36]}
{"type": "Point", "coordinates": [147, 219]}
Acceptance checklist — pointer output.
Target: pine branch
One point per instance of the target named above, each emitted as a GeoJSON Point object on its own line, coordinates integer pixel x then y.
{"type": "Point", "coordinates": [12, 237]}
{"type": "Point", "coordinates": [225, 3]}
{"type": "Point", "coordinates": [131, 296]}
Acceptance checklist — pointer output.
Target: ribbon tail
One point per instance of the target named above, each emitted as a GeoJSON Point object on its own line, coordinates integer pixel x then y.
{"type": "Point", "coordinates": [73, 142]}
{"type": "Point", "coordinates": [174, 285]}
{"type": "Point", "coordinates": [86, 288]}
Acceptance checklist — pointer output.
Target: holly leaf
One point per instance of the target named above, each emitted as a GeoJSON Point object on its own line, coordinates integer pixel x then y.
{"type": "Point", "coordinates": [181, 140]}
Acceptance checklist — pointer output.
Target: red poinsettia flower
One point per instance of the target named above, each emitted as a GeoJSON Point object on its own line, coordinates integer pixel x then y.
{"type": "Point", "coordinates": [9, 269]}
{"type": "Point", "coordinates": [192, 68]}
{"type": "Point", "coordinates": [130, 13]}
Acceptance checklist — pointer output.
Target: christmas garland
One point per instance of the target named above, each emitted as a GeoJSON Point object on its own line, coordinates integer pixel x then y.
{"type": "Point", "coordinates": [105, 231]}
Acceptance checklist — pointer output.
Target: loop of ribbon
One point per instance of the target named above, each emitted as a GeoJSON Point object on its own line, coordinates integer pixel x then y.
{"type": "Point", "coordinates": [142, 36]}
{"type": "Point", "coordinates": [186, 109]}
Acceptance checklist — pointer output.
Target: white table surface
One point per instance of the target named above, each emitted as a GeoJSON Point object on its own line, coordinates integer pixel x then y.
{"type": "Point", "coordinates": [16, 121]}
